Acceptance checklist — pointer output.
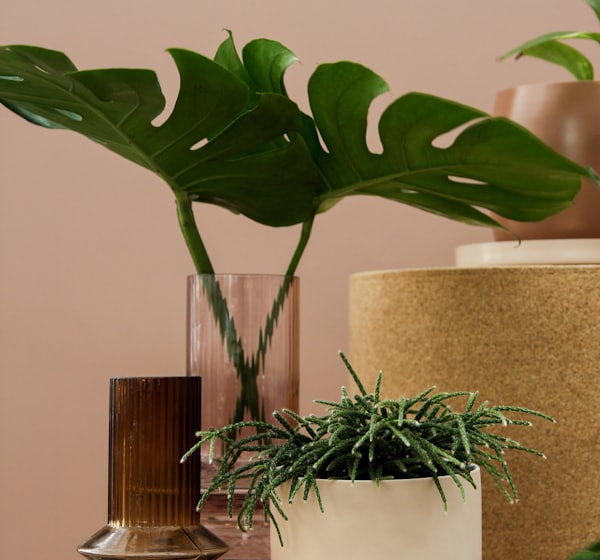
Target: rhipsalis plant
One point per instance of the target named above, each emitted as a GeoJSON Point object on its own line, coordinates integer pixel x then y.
{"type": "Point", "coordinates": [367, 437]}
{"type": "Point", "coordinates": [552, 48]}
{"type": "Point", "coordinates": [235, 139]}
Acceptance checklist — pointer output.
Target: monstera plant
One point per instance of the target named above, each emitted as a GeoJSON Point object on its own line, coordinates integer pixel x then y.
{"type": "Point", "coordinates": [235, 139]}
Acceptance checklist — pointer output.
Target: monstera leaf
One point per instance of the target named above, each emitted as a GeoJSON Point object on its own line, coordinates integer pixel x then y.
{"type": "Point", "coordinates": [116, 108]}
{"type": "Point", "coordinates": [235, 139]}
{"type": "Point", "coordinates": [493, 163]}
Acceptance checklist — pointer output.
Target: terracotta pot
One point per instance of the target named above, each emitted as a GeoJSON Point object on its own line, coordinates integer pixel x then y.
{"type": "Point", "coordinates": [397, 520]}
{"type": "Point", "coordinates": [566, 116]}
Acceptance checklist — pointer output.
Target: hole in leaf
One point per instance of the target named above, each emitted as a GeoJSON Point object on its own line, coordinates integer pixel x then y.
{"type": "Point", "coordinates": [466, 180]}
{"type": "Point", "coordinates": [446, 139]}
{"type": "Point", "coordinates": [70, 114]}
{"type": "Point", "coordinates": [12, 78]}
{"type": "Point", "coordinates": [169, 81]}
{"type": "Point", "coordinates": [202, 142]}
{"type": "Point", "coordinates": [321, 141]}
{"type": "Point", "coordinates": [43, 70]}
{"type": "Point", "coordinates": [376, 109]}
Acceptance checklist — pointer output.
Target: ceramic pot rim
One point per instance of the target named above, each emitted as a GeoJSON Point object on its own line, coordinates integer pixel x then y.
{"type": "Point", "coordinates": [567, 84]}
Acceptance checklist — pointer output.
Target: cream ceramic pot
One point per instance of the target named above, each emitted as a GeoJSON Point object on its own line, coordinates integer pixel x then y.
{"type": "Point", "coordinates": [566, 116]}
{"type": "Point", "coordinates": [397, 520]}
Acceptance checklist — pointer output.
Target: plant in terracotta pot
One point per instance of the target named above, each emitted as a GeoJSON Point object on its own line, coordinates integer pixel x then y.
{"type": "Point", "coordinates": [378, 453]}
{"type": "Point", "coordinates": [566, 115]}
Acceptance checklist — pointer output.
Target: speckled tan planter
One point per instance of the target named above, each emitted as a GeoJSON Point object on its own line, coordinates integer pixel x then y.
{"type": "Point", "coordinates": [526, 335]}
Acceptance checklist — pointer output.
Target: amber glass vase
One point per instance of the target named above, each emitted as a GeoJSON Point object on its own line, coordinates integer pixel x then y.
{"type": "Point", "coordinates": [151, 495]}
{"type": "Point", "coordinates": [243, 342]}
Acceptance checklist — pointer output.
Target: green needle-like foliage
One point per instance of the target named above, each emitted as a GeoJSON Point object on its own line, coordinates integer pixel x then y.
{"type": "Point", "coordinates": [366, 437]}
{"type": "Point", "coordinates": [552, 48]}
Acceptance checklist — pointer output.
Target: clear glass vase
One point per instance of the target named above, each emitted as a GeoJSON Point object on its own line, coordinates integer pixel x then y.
{"type": "Point", "coordinates": [243, 340]}
{"type": "Point", "coordinates": [151, 495]}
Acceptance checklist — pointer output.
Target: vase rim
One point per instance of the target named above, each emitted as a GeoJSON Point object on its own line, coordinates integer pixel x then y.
{"type": "Point", "coordinates": [150, 378]}
{"type": "Point", "coordinates": [242, 275]}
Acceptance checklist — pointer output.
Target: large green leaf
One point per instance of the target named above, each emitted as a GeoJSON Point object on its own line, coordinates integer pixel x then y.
{"type": "Point", "coordinates": [116, 107]}
{"type": "Point", "coordinates": [493, 163]}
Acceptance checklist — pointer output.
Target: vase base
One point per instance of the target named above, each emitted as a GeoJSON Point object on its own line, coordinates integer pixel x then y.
{"type": "Point", "coordinates": [157, 543]}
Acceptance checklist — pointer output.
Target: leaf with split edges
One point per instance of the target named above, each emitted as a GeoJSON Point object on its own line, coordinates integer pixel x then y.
{"type": "Point", "coordinates": [214, 147]}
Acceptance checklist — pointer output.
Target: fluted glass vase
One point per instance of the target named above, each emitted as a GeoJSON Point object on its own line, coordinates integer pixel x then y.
{"type": "Point", "coordinates": [151, 495]}
{"type": "Point", "coordinates": [243, 341]}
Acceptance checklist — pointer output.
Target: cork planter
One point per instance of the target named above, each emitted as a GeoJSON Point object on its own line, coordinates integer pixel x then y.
{"type": "Point", "coordinates": [526, 335]}
{"type": "Point", "coordinates": [395, 520]}
{"type": "Point", "coordinates": [566, 116]}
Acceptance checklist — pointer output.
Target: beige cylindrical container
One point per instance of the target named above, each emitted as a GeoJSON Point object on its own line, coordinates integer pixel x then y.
{"type": "Point", "coordinates": [566, 116]}
{"type": "Point", "coordinates": [520, 335]}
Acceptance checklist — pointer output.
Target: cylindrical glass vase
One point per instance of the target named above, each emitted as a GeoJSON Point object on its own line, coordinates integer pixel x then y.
{"type": "Point", "coordinates": [151, 495]}
{"type": "Point", "coordinates": [243, 340]}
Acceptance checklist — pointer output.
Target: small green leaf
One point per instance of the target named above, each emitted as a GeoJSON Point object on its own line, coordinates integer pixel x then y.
{"type": "Point", "coordinates": [563, 55]}
{"type": "Point", "coordinates": [549, 47]}
{"type": "Point", "coordinates": [595, 5]}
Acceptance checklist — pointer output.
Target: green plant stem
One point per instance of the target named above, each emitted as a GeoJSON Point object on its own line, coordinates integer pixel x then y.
{"type": "Point", "coordinates": [187, 223]}
{"type": "Point", "coordinates": [303, 241]}
{"type": "Point", "coordinates": [247, 367]}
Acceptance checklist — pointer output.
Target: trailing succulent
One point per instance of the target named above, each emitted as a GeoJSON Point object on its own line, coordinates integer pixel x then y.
{"type": "Point", "coordinates": [365, 437]}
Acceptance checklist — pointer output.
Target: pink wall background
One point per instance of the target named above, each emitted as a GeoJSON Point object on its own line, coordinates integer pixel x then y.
{"type": "Point", "coordinates": [92, 265]}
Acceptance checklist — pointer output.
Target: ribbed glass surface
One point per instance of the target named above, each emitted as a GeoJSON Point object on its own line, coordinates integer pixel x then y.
{"type": "Point", "coordinates": [243, 340]}
{"type": "Point", "coordinates": [152, 423]}
{"type": "Point", "coordinates": [263, 358]}
{"type": "Point", "coordinates": [152, 496]}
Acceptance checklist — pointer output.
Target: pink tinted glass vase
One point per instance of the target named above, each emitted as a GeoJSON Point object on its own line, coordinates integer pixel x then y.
{"type": "Point", "coordinates": [243, 341]}
{"type": "Point", "coordinates": [151, 495]}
